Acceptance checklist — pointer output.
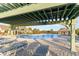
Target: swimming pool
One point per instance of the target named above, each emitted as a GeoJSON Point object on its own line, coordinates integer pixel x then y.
{"type": "Point", "coordinates": [38, 36]}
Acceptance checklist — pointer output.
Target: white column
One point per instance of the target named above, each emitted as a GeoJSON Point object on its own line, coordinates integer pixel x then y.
{"type": "Point", "coordinates": [73, 45]}
{"type": "Point", "coordinates": [8, 32]}
{"type": "Point", "coordinates": [14, 32]}
{"type": "Point", "coordinates": [11, 32]}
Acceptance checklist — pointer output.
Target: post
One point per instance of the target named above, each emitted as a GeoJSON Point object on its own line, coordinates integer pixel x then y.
{"type": "Point", "coordinates": [73, 45]}
{"type": "Point", "coordinates": [13, 29]}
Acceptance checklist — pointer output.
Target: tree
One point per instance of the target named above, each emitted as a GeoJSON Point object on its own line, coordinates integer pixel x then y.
{"type": "Point", "coordinates": [36, 31]}
{"type": "Point", "coordinates": [51, 29]}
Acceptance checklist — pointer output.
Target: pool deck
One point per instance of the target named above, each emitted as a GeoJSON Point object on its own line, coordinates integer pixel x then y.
{"type": "Point", "coordinates": [55, 47]}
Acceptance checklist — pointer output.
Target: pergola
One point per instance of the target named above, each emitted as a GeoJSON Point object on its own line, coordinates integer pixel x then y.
{"type": "Point", "coordinates": [27, 14]}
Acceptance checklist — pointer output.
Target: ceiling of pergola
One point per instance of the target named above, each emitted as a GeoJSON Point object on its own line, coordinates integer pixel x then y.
{"type": "Point", "coordinates": [54, 14]}
{"type": "Point", "coordinates": [9, 6]}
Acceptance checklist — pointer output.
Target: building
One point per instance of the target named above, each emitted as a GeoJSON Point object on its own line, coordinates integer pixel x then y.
{"type": "Point", "coordinates": [3, 29]}
{"type": "Point", "coordinates": [63, 31]}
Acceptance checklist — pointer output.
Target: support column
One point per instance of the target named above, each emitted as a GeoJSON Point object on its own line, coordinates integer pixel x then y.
{"type": "Point", "coordinates": [13, 27]}
{"type": "Point", "coordinates": [9, 31]}
{"type": "Point", "coordinates": [14, 32]}
{"type": "Point", "coordinates": [73, 44]}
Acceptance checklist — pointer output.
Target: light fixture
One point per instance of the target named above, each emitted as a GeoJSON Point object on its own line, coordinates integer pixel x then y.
{"type": "Point", "coordinates": [67, 18]}
{"type": "Point", "coordinates": [62, 19]}
{"type": "Point", "coordinates": [53, 19]}
{"type": "Point", "coordinates": [50, 20]}
{"type": "Point", "coordinates": [58, 19]}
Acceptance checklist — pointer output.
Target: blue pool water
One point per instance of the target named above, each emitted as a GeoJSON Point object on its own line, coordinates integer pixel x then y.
{"type": "Point", "coordinates": [38, 36]}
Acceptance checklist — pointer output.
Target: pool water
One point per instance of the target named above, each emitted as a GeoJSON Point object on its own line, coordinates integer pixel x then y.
{"type": "Point", "coordinates": [38, 36]}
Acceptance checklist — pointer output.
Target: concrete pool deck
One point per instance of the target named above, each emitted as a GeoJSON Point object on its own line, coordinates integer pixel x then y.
{"type": "Point", "coordinates": [56, 46]}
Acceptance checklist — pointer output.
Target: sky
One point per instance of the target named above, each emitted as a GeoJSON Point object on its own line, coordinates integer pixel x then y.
{"type": "Point", "coordinates": [55, 27]}
{"type": "Point", "coordinates": [48, 27]}
{"type": "Point", "coordinates": [77, 23]}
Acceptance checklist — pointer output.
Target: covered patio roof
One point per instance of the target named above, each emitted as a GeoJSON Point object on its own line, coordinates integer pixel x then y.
{"type": "Point", "coordinates": [37, 13]}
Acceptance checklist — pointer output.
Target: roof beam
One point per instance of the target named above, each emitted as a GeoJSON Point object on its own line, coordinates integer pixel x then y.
{"type": "Point", "coordinates": [26, 9]}
{"type": "Point", "coordinates": [74, 14]}
{"type": "Point", "coordinates": [13, 4]}
{"type": "Point", "coordinates": [51, 14]}
{"type": "Point", "coordinates": [35, 15]}
{"type": "Point", "coordinates": [32, 17]}
{"type": "Point", "coordinates": [5, 6]}
{"type": "Point", "coordinates": [71, 10]}
{"type": "Point", "coordinates": [40, 15]}
{"type": "Point", "coordinates": [45, 14]}
{"type": "Point", "coordinates": [26, 18]}
{"type": "Point", "coordinates": [64, 11]}
{"type": "Point", "coordinates": [57, 14]}
{"type": "Point", "coordinates": [56, 17]}
{"type": "Point", "coordinates": [2, 8]}
{"type": "Point", "coordinates": [10, 5]}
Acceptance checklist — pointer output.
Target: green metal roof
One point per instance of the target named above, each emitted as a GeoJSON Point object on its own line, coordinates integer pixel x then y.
{"type": "Point", "coordinates": [51, 14]}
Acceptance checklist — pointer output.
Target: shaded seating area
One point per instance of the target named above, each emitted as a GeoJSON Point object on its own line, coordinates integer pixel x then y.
{"type": "Point", "coordinates": [59, 13]}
